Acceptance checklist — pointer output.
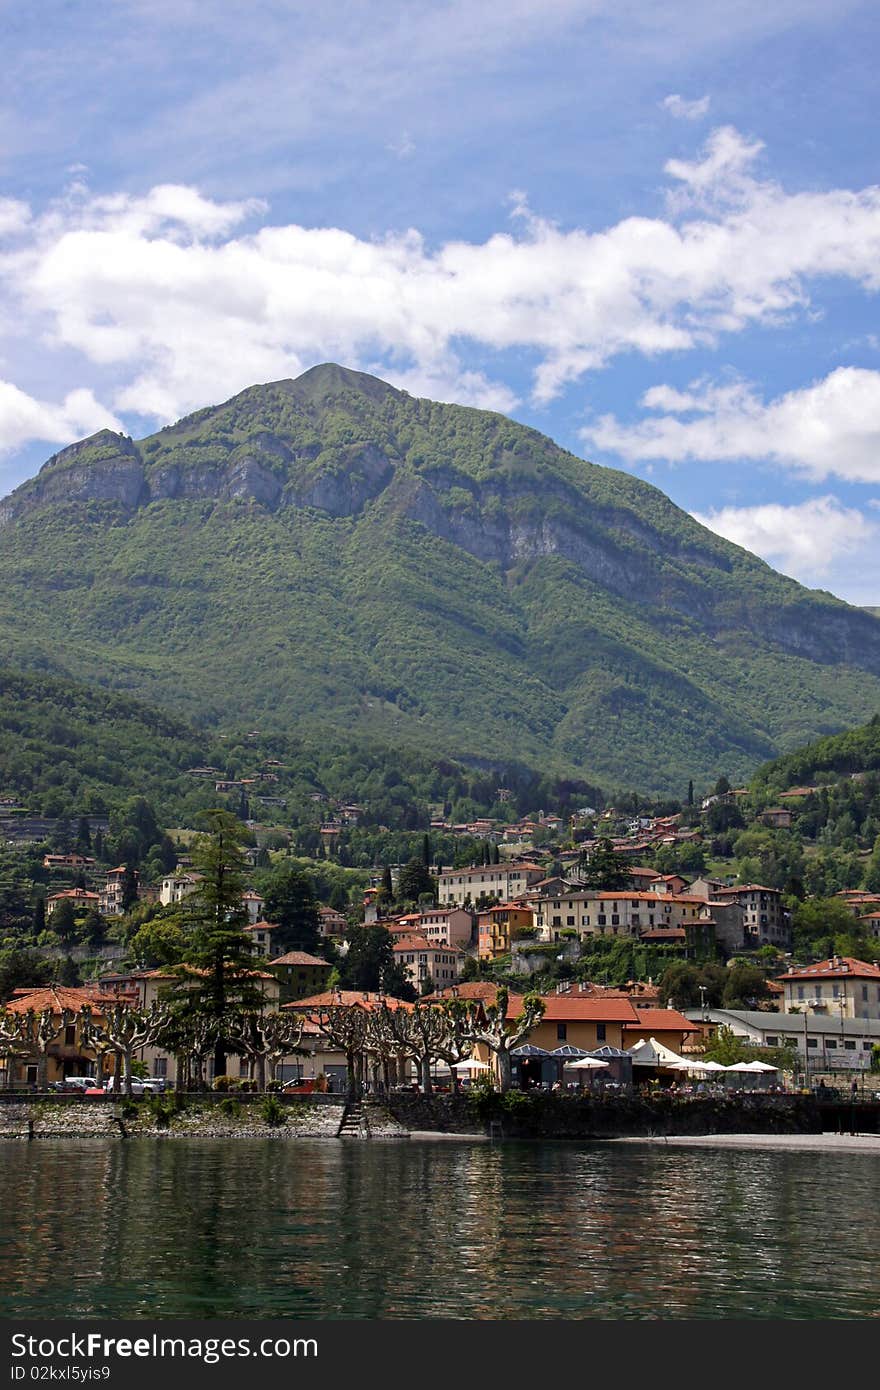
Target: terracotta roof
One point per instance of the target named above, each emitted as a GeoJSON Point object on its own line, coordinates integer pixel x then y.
{"type": "Point", "coordinates": [54, 997]}
{"type": "Point", "coordinates": [483, 990]}
{"type": "Point", "coordinates": [661, 1020]}
{"type": "Point", "coordinates": [572, 1008]}
{"type": "Point", "coordinates": [300, 958]}
{"type": "Point", "coordinates": [421, 943]}
{"type": "Point", "coordinates": [333, 998]}
{"type": "Point", "coordinates": [261, 926]}
{"type": "Point", "coordinates": [746, 888]}
{"type": "Point", "coordinates": [836, 968]}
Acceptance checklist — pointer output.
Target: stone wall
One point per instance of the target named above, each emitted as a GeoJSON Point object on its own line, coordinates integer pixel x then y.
{"type": "Point", "coordinates": [543, 1115]}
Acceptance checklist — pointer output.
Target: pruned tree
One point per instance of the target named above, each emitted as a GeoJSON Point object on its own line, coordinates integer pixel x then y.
{"type": "Point", "coordinates": [345, 1026]}
{"type": "Point", "coordinates": [266, 1038]}
{"type": "Point", "coordinates": [125, 1031]}
{"type": "Point", "coordinates": [489, 1024]}
{"type": "Point", "coordinates": [420, 1034]}
{"type": "Point", "coordinates": [31, 1034]}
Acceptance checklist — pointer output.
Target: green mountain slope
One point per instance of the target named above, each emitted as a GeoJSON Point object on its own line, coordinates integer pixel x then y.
{"type": "Point", "coordinates": [66, 748]}
{"type": "Point", "coordinates": [852, 751]}
{"type": "Point", "coordinates": [331, 556]}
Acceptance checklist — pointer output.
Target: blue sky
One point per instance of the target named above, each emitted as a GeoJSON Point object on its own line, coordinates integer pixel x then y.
{"type": "Point", "coordinates": [651, 231]}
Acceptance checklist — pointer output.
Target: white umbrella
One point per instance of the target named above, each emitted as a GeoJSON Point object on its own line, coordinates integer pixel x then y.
{"type": "Point", "coordinates": [587, 1064]}
{"type": "Point", "coordinates": [689, 1066]}
{"type": "Point", "coordinates": [471, 1064]}
{"type": "Point", "coordinates": [753, 1066]}
{"type": "Point", "coordinates": [714, 1066]}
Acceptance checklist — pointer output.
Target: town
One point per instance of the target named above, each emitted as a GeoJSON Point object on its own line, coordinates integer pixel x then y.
{"type": "Point", "coordinates": [536, 968]}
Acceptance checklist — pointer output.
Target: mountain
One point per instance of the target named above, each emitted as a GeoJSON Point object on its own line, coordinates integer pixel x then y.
{"type": "Point", "coordinates": [68, 747]}
{"type": "Point", "coordinates": [331, 556]}
{"type": "Point", "coordinates": [851, 753]}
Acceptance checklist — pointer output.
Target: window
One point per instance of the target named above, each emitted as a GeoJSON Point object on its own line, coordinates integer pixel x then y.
{"type": "Point", "coordinates": [600, 1032]}
{"type": "Point", "coordinates": [601, 919]}
{"type": "Point", "coordinates": [818, 991]}
{"type": "Point", "coordinates": [772, 1042]}
{"type": "Point", "coordinates": [569, 921]}
{"type": "Point", "coordinates": [615, 920]}
{"type": "Point", "coordinates": [850, 1046]}
{"type": "Point", "coordinates": [561, 1032]}
{"type": "Point", "coordinates": [865, 993]}
{"type": "Point", "coordinates": [800, 990]}
{"type": "Point", "coordinates": [160, 1066]}
{"type": "Point", "coordinates": [812, 1042]}
{"type": "Point", "coordinates": [830, 1042]}
{"type": "Point", "coordinates": [70, 1035]}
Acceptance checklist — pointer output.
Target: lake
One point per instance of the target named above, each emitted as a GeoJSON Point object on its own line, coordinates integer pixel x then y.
{"type": "Point", "coordinates": [272, 1229]}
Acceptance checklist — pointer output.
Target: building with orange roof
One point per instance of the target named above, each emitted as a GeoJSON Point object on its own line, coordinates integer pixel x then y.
{"type": "Point", "coordinates": [300, 974]}
{"type": "Point", "coordinates": [81, 898]}
{"type": "Point", "coordinates": [427, 963]}
{"type": "Point", "coordinates": [61, 1054]}
{"type": "Point", "coordinates": [461, 887]}
{"type": "Point", "coordinates": [841, 987]}
{"type": "Point", "coordinates": [261, 936]}
{"type": "Point", "coordinates": [498, 926]}
{"type": "Point", "coordinates": [667, 1026]}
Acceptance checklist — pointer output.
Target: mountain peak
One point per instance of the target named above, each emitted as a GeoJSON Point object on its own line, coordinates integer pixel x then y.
{"type": "Point", "coordinates": [329, 379]}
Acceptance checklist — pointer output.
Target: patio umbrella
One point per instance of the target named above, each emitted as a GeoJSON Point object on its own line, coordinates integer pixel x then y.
{"type": "Point", "coordinates": [693, 1065]}
{"type": "Point", "coordinates": [714, 1066]}
{"type": "Point", "coordinates": [589, 1064]}
{"type": "Point", "coordinates": [756, 1066]}
{"type": "Point", "coordinates": [471, 1064]}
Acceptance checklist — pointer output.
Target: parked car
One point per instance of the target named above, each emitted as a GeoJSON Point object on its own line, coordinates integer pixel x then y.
{"type": "Point", "coordinates": [154, 1085]}
{"type": "Point", "coordinates": [137, 1086]}
{"type": "Point", "coordinates": [72, 1083]}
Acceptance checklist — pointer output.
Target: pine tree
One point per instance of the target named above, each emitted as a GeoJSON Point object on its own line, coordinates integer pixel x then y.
{"type": "Point", "coordinates": [217, 977]}
{"type": "Point", "coordinates": [691, 792]}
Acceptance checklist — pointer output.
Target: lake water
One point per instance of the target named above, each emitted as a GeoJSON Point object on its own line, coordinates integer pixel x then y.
{"type": "Point", "coordinates": [296, 1229]}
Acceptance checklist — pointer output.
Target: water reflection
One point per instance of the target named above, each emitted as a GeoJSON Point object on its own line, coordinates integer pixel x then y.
{"type": "Point", "coordinates": [277, 1229]}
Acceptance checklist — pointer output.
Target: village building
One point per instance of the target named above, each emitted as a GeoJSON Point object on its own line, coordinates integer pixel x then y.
{"type": "Point", "coordinates": [261, 934]}
{"type": "Point", "coordinates": [458, 887]}
{"type": "Point", "coordinates": [176, 887]}
{"type": "Point", "coordinates": [497, 927]}
{"type": "Point", "coordinates": [838, 987]}
{"type": "Point", "coordinates": [82, 899]}
{"type": "Point", "coordinates": [824, 1044]}
{"type": "Point", "coordinates": [427, 964]}
{"type": "Point", "coordinates": [331, 922]}
{"type": "Point", "coordinates": [63, 1054]}
{"type": "Point", "coordinates": [112, 894]}
{"type": "Point", "coordinates": [67, 862]}
{"type": "Point", "coordinates": [300, 974]}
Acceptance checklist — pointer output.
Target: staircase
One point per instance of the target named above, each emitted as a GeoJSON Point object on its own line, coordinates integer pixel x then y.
{"type": "Point", "coordinates": [355, 1123]}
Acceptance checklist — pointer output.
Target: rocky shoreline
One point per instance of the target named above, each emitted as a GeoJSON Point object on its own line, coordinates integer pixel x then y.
{"type": "Point", "coordinates": [515, 1116]}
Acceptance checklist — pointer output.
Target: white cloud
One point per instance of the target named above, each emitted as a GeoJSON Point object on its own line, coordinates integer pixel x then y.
{"type": "Point", "coordinates": [828, 429]}
{"type": "Point", "coordinates": [684, 110]}
{"type": "Point", "coordinates": [809, 541]}
{"type": "Point", "coordinates": [183, 306]}
{"type": "Point", "coordinates": [23, 419]}
{"type": "Point", "coordinates": [14, 216]}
